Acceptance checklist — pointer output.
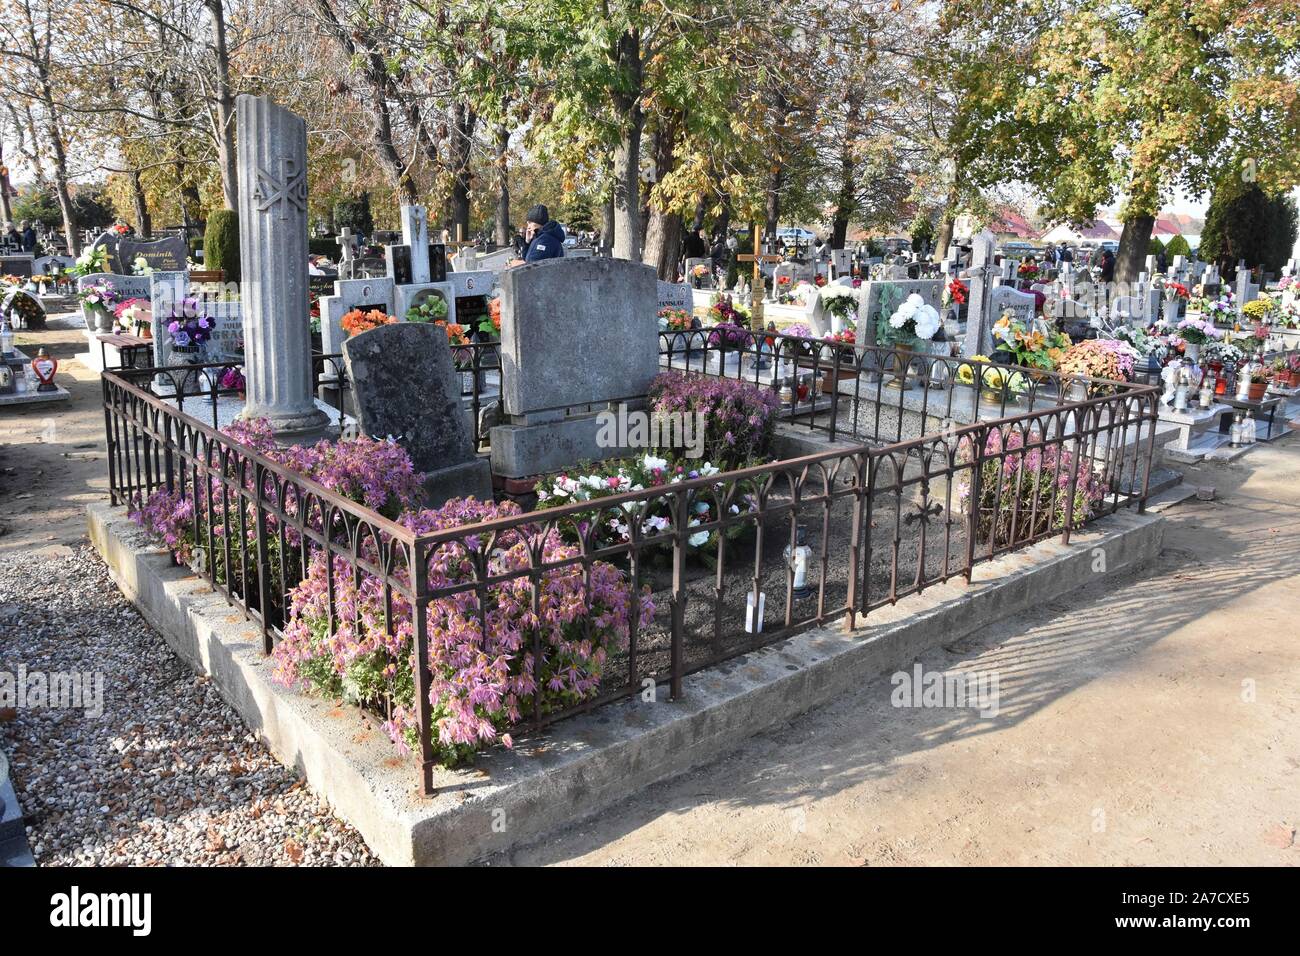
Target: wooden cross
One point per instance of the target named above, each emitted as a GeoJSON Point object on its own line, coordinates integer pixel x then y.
{"type": "Point", "coordinates": [756, 292]}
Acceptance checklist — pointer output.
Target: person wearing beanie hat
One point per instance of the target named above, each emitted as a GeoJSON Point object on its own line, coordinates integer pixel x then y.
{"type": "Point", "coordinates": [543, 236]}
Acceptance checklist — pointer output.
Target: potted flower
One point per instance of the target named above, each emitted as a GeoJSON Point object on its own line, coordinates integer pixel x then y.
{"type": "Point", "coordinates": [1281, 372]}
{"type": "Point", "coordinates": [699, 273]}
{"type": "Point", "coordinates": [1108, 359]}
{"type": "Point", "coordinates": [913, 322]}
{"type": "Point", "coordinates": [726, 341]}
{"type": "Point", "coordinates": [96, 299]}
{"type": "Point", "coordinates": [1259, 379]}
{"type": "Point", "coordinates": [1194, 333]}
{"type": "Point", "coordinates": [995, 382]}
{"type": "Point", "coordinates": [841, 303]}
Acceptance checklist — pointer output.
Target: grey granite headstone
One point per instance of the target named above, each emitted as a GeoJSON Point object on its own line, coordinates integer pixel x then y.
{"type": "Point", "coordinates": [576, 335]}
{"type": "Point", "coordinates": [405, 386]}
{"type": "Point", "coordinates": [559, 316]}
{"type": "Point", "coordinates": [979, 322]}
{"type": "Point", "coordinates": [675, 295]}
{"type": "Point", "coordinates": [349, 294]}
{"type": "Point", "coordinates": [109, 240]}
{"type": "Point", "coordinates": [877, 300]}
{"type": "Point", "coordinates": [272, 164]}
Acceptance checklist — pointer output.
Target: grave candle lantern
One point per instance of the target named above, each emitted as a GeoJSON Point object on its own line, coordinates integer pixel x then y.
{"type": "Point", "coordinates": [6, 339]}
{"type": "Point", "coordinates": [43, 367]}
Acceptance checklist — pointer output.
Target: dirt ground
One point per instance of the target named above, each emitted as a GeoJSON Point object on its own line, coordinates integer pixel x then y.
{"type": "Point", "coordinates": [52, 460]}
{"type": "Point", "coordinates": [1149, 719]}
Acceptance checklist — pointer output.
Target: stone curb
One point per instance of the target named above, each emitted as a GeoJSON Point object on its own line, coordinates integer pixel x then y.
{"type": "Point", "coordinates": [587, 763]}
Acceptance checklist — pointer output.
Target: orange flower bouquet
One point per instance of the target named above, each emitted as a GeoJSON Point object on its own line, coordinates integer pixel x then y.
{"type": "Point", "coordinates": [356, 321]}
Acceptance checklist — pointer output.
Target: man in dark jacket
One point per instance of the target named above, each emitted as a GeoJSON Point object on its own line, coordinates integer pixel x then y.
{"type": "Point", "coordinates": [543, 235]}
{"type": "Point", "coordinates": [29, 236]}
{"type": "Point", "coordinates": [1107, 263]}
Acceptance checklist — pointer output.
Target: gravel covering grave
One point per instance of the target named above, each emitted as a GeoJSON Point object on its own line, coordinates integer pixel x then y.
{"type": "Point", "coordinates": [169, 775]}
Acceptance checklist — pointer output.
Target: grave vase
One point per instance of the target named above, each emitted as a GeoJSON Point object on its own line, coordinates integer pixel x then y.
{"type": "Point", "coordinates": [186, 383]}
{"type": "Point", "coordinates": [1192, 352]}
{"type": "Point", "coordinates": [97, 319]}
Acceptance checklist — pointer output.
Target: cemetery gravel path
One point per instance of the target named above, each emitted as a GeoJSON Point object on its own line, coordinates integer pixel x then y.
{"type": "Point", "coordinates": [1149, 719]}
{"type": "Point", "coordinates": [168, 775]}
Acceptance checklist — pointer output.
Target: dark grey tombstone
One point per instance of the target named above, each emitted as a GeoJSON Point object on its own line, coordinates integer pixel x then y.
{"type": "Point", "coordinates": [162, 255]}
{"type": "Point", "coordinates": [398, 258]}
{"type": "Point", "coordinates": [405, 386]}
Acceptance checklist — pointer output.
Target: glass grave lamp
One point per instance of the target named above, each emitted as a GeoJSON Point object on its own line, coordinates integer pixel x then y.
{"type": "Point", "coordinates": [6, 339]}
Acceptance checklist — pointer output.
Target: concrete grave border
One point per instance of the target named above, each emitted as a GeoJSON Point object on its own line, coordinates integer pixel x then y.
{"type": "Point", "coordinates": [587, 763]}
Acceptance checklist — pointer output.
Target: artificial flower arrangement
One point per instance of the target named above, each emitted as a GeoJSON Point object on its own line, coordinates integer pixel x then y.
{"type": "Point", "coordinates": [491, 325]}
{"type": "Point", "coordinates": [1223, 352]}
{"type": "Point", "coordinates": [674, 320]}
{"type": "Point", "coordinates": [98, 296]}
{"type": "Point", "coordinates": [432, 309]}
{"type": "Point", "coordinates": [356, 321]}
{"type": "Point", "coordinates": [979, 372]}
{"type": "Point", "coordinates": [802, 293]}
{"type": "Point", "coordinates": [1028, 271]}
{"type": "Point", "coordinates": [700, 271]}
{"type": "Point", "coordinates": [839, 300]}
{"type": "Point", "coordinates": [91, 261]}
{"type": "Point", "coordinates": [136, 315]}
{"type": "Point", "coordinates": [1282, 372]}
{"type": "Point", "coordinates": [913, 321]}
{"type": "Point", "coordinates": [615, 525]}
{"type": "Point", "coordinates": [1196, 331]}
{"type": "Point", "coordinates": [819, 281]}
{"type": "Point", "coordinates": [456, 334]}
{"type": "Point", "coordinates": [797, 340]}
{"type": "Point", "coordinates": [140, 266]}
{"type": "Point", "coordinates": [1034, 344]}
{"type": "Point", "coordinates": [1108, 359]}
{"type": "Point", "coordinates": [726, 311]}
{"type": "Point", "coordinates": [189, 331]}
{"type": "Point", "coordinates": [1143, 342]}
{"type": "Point", "coordinates": [1175, 291]}
{"type": "Point", "coordinates": [957, 292]}
{"type": "Point", "coordinates": [847, 336]}
{"type": "Point", "coordinates": [233, 379]}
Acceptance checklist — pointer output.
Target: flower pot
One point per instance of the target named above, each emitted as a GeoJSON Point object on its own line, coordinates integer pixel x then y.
{"type": "Point", "coordinates": [1192, 352]}
{"type": "Point", "coordinates": [187, 383]}
{"type": "Point", "coordinates": [97, 319]}
{"type": "Point", "coordinates": [1257, 390]}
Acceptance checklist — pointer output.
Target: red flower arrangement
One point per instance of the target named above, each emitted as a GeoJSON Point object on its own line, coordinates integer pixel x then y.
{"type": "Point", "coordinates": [957, 289]}
{"type": "Point", "coordinates": [783, 281]}
{"type": "Point", "coordinates": [1028, 270]}
{"type": "Point", "coordinates": [1176, 290]}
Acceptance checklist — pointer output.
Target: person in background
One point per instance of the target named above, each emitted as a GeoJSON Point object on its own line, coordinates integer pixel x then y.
{"type": "Point", "coordinates": [28, 235]}
{"type": "Point", "coordinates": [1107, 265]}
{"type": "Point", "coordinates": [693, 247]}
{"type": "Point", "coordinates": [1162, 262]}
{"type": "Point", "coordinates": [1065, 254]}
{"type": "Point", "coordinates": [11, 234]}
{"type": "Point", "coordinates": [543, 237]}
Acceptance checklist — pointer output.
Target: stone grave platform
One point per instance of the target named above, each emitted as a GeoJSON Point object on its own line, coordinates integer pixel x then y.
{"type": "Point", "coordinates": [26, 393]}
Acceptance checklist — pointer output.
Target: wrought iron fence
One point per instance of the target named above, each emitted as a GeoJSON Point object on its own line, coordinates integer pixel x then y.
{"type": "Point", "coordinates": [713, 566]}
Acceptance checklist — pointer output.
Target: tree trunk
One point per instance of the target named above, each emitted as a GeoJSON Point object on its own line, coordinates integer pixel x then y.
{"type": "Point", "coordinates": [224, 134]}
{"type": "Point", "coordinates": [627, 155]}
{"type": "Point", "coordinates": [663, 244]}
{"type": "Point", "coordinates": [944, 239]}
{"type": "Point", "coordinates": [503, 186]}
{"type": "Point", "coordinates": [772, 206]}
{"type": "Point", "coordinates": [464, 119]}
{"type": "Point", "coordinates": [1133, 244]}
{"type": "Point", "coordinates": [839, 229]}
{"type": "Point", "coordinates": [143, 221]}
{"type": "Point", "coordinates": [607, 225]}
{"type": "Point", "coordinates": [6, 213]}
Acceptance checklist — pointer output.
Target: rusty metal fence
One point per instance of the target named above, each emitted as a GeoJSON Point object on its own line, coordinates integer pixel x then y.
{"type": "Point", "coordinates": [715, 565]}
